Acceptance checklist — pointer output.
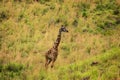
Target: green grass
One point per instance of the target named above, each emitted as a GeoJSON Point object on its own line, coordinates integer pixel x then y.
{"type": "Point", "coordinates": [106, 69]}
{"type": "Point", "coordinates": [28, 29]}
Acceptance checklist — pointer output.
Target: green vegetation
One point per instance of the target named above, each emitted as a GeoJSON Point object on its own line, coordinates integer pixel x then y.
{"type": "Point", "coordinates": [90, 51]}
{"type": "Point", "coordinates": [107, 67]}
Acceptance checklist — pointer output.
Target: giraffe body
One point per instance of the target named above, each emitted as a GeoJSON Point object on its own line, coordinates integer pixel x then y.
{"type": "Point", "coordinates": [51, 54]}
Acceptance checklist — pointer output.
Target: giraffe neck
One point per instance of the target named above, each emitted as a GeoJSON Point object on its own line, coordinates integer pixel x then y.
{"type": "Point", "coordinates": [57, 42]}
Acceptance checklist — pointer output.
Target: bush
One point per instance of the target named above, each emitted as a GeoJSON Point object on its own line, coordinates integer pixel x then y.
{"type": "Point", "coordinates": [43, 1]}
{"type": "Point", "coordinates": [4, 14]}
{"type": "Point", "coordinates": [61, 19]}
{"type": "Point", "coordinates": [60, 1]}
{"type": "Point", "coordinates": [11, 71]}
{"type": "Point", "coordinates": [83, 6]}
{"type": "Point", "coordinates": [14, 67]}
{"type": "Point", "coordinates": [75, 23]}
{"type": "Point", "coordinates": [107, 4]}
{"type": "Point", "coordinates": [44, 11]}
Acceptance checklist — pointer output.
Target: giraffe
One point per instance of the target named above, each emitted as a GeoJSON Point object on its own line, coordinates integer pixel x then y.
{"type": "Point", "coordinates": [52, 53]}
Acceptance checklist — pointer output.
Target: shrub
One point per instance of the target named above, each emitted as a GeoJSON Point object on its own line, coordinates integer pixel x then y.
{"type": "Point", "coordinates": [75, 23]}
{"type": "Point", "coordinates": [43, 1]}
{"type": "Point", "coordinates": [44, 11]}
{"type": "Point", "coordinates": [61, 19]}
{"type": "Point", "coordinates": [4, 14]}
{"type": "Point", "coordinates": [11, 71]}
{"type": "Point", "coordinates": [14, 67]}
{"type": "Point", "coordinates": [51, 6]}
{"type": "Point", "coordinates": [21, 16]}
{"type": "Point", "coordinates": [60, 1]}
{"type": "Point", "coordinates": [107, 4]}
{"type": "Point", "coordinates": [83, 6]}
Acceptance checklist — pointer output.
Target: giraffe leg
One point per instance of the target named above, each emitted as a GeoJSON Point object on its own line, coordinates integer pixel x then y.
{"type": "Point", "coordinates": [53, 63]}
{"type": "Point", "coordinates": [47, 62]}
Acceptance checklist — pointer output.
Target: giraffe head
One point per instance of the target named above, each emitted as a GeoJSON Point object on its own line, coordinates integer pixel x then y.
{"type": "Point", "coordinates": [63, 29]}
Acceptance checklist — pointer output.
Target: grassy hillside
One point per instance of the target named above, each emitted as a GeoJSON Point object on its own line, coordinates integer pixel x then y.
{"type": "Point", "coordinates": [90, 51]}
